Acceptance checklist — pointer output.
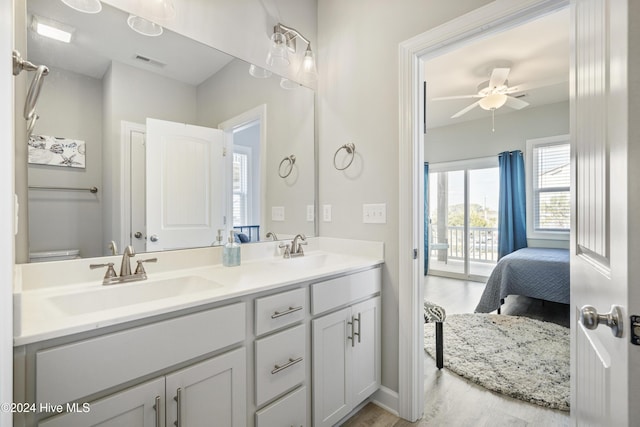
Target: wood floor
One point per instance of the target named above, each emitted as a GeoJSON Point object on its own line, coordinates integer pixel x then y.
{"type": "Point", "coordinates": [451, 400]}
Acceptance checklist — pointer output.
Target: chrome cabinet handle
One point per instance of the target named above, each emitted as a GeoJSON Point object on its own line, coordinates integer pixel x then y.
{"type": "Point", "coordinates": [156, 407]}
{"type": "Point", "coordinates": [178, 399]}
{"type": "Point", "coordinates": [353, 341]}
{"type": "Point", "coordinates": [291, 362]}
{"type": "Point", "coordinates": [590, 318]}
{"type": "Point", "coordinates": [277, 314]}
{"type": "Point", "coordinates": [357, 319]}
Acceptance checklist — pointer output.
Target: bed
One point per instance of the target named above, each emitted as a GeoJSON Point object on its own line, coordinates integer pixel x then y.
{"type": "Point", "coordinates": [541, 273]}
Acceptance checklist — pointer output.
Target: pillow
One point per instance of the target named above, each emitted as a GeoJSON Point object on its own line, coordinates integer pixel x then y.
{"type": "Point", "coordinates": [242, 238]}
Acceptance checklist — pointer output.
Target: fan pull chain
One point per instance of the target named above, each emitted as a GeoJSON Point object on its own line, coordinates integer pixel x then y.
{"type": "Point", "coordinates": [493, 120]}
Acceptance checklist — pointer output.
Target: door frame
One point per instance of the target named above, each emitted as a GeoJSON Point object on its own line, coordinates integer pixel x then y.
{"type": "Point", "coordinates": [494, 17]}
{"type": "Point", "coordinates": [258, 114]}
{"type": "Point", "coordinates": [126, 128]}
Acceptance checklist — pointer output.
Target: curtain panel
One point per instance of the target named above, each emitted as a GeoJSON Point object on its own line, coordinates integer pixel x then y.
{"type": "Point", "coordinates": [512, 220]}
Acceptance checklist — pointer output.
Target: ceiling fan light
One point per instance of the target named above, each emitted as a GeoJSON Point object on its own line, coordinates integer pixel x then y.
{"type": "Point", "coordinates": [493, 101]}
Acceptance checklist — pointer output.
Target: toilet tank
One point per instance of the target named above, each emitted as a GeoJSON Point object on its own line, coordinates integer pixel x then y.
{"type": "Point", "coordinates": [58, 255]}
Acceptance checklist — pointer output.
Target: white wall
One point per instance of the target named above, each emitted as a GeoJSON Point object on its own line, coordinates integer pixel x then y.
{"type": "Point", "coordinates": [358, 102]}
{"type": "Point", "coordinates": [68, 219]}
{"type": "Point", "coordinates": [474, 139]}
{"type": "Point", "coordinates": [6, 208]}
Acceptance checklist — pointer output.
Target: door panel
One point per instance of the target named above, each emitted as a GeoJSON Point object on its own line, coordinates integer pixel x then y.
{"type": "Point", "coordinates": [185, 185]}
{"type": "Point", "coordinates": [600, 155]}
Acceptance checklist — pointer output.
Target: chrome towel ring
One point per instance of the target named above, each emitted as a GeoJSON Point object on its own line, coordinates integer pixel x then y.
{"type": "Point", "coordinates": [288, 163]}
{"type": "Point", "coordinates": [20, 64]}
{"type": "Point", "coordinates": [350, 148]}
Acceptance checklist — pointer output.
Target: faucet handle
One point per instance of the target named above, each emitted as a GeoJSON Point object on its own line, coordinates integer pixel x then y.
{"type": "Point", "coordinates": [111, 272]}
{"type": "Point", "coordinates": [140, 267]}
{"type": "Point", "coordinates": [287, 249]}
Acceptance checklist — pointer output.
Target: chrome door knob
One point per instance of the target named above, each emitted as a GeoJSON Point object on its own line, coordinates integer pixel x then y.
{"type": "Point", "coordinates": [138, 235]}
{"type": "Point", "coordinates": [590, 318]}
{"type": "Point", "coordinates": [153, 238]}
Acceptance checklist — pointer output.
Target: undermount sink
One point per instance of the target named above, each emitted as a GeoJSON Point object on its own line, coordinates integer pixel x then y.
{"type": "Point", "coordinates": [125, 294]}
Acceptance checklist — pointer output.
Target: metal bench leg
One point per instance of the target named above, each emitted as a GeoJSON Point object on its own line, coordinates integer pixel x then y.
{"type": "Point", "coordinates": [439, 345]}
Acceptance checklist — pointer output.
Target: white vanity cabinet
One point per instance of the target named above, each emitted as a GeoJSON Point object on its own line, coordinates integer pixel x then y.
{"type": "Point", "coordinates": [346, 346]}
{"type": "Point", "coordinates": [211, 390]}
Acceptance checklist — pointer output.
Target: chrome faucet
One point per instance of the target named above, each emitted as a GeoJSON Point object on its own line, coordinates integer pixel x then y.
{"type": "Point", "coordinates": [296, 246]}
{"type": "Point", "coordinates": [111, 277]}
{"type": "Point", "coordinates": [125, 265]}
{"type": "Point", "coordinates": [272, 234]}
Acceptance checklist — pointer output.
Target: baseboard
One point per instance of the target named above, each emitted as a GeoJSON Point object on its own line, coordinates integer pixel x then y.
{"type": "Point", "coordinates": [387, 399]}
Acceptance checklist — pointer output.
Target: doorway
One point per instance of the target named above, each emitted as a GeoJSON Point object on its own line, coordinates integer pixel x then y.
{"type": "Point", "coordinates": [491, 19]}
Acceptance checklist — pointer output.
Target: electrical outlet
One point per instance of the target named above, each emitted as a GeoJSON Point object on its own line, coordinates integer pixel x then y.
{"type": "Point", "coordinates": [277, 213]}
{"type": "Point", "coordinates": [374, 213]}
{"type": "Point", "coordinates": [326, 213]}
{"type": "Point", "coordinates": [310, 213]}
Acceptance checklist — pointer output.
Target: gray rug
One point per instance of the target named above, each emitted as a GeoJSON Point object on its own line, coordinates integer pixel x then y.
{"type": "Point", "coordinates": [520, 357]}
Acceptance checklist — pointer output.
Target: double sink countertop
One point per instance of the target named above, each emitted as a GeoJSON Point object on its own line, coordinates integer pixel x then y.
{"type": "Point", "coordinates": [56, 299]}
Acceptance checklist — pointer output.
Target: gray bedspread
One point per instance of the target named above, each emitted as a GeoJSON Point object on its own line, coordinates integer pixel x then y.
{"type": "Point", "coordinates": [533, 272]}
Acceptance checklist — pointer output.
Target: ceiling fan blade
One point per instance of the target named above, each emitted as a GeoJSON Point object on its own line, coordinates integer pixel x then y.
{"type": "Point", "coordinates": [444, 98]}
{"type": "Point", "coordinates": [516, 103]}
{"type": "Point", "coordinates": [538, 84]}
{"type": "Point", "coordinates": [498, 77]}
{"type": "Point", "coordinates": [465, 110]}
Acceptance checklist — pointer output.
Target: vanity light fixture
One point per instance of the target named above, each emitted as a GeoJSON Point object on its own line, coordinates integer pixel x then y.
{"type": "Point", "coordinates": [144, 26]}
{"type": "Point", "coordinates": [52, 29]}
{"type": "Point", "coordinates": [84, 6]}
{"type": "Point", "coordinates": [288, 84]}
{"type": "Point", "coordinates": [283, 40]}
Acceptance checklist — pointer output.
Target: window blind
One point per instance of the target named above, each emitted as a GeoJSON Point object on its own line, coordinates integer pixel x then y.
{"type": "Point", "coordinates": [552, 178]}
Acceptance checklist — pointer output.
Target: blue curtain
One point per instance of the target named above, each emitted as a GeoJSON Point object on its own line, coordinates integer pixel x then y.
{"type": "Point", "coordinates": [426, 218]}
{"type": "Point", "coordinates": [512, 220]}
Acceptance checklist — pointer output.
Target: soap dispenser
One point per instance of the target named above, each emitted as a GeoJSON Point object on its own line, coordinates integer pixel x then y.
{"type": "Point", "coordinates": [219, 241]}
{"type": "Point", "coordinates": [231, 252]}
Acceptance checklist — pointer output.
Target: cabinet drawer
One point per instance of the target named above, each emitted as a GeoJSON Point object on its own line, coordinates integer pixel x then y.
{"type": "Point", "coordinates": [280, 363]}
{"type": "Point", "coordinates": [72, 371]}
{"type": "Point", "coordinates": [290, 410]}
{"type": "Point", "coordinates": [275, 311]}
{"type": "Point", "coordinates": [343, 290]}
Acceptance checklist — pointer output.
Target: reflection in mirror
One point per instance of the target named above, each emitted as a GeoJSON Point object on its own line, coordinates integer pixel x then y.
{"type": "Point", "coordinates": [181, 189]}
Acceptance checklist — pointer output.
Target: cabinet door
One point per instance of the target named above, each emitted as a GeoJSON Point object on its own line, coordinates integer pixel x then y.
{"type": "Point", "coordinates": [331, 382]}
{"type": "Point", "coordinates": [134, 407]}
{"type": "Point", "coordinates": [209, 393]}
{"type": "Point", "coordinates": [366, 352]}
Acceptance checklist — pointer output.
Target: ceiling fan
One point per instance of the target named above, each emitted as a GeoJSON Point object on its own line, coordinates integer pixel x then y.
{"type": "Point", "coordinates": [493, 94]}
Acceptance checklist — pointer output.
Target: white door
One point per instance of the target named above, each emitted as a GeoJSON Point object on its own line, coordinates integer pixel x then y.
{"type": "Point", "coordinates": [138, 230]}
{"type": "Point", "coordinates": [213, 392]}
{"type": "Point", "coordinates": [185, 185]}
{"type": "Point", "coordinates": [366, 351]}
{"type": "Point", "coordinates": [605, 209]}
{"type": "Point", "coordinates": [140, 406]}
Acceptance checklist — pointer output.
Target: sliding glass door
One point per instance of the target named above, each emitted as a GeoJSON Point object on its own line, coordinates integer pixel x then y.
{"type": "Point", "coordinates": [463, 218]}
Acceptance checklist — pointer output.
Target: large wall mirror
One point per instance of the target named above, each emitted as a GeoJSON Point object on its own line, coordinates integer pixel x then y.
{"type": "Point", "coordinates": [123, 112]}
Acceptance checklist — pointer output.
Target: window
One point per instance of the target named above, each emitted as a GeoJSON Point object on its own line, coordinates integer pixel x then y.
{"type": "Point", "coordinates": [241, 179]}
{"type": "Point", "coordinates": [549, 180]}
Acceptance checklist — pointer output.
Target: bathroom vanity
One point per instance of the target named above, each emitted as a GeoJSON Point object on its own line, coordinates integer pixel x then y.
{"type": "Point", "coordinates": [272, 342]}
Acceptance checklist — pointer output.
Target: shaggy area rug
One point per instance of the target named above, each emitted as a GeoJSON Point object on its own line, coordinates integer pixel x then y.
{"type": "Point", "coordinates": [520, 357]}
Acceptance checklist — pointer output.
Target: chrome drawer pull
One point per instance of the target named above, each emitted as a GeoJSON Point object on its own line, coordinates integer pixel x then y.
{"type": "Point", "coordinates": [178, 399]}
{"type": "Point", "coordinates": [156, 407]}
{"type": "Point", "coordinates": [290, 363]}
{"type": "Point", "coordinates": [277, 314]}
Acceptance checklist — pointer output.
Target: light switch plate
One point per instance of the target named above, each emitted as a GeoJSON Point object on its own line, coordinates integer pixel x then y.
{"type": "Point", "coordinates": [310, 213]}
{"type": "Point", "coordinates": [374, 213]}
{"type": "Point", "coordinates": [277, 213]}
{"type": "Point", "coordinates": [326, 213]}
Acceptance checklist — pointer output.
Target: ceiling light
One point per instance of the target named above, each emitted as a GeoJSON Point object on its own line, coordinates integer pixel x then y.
{"type": "Point", "coordinates": [258, 72]}
{"type": "Point", "coordinates": [493, 101]}
{"type": "Point", "coordinates": [84, 6]}
{"type": "Point", "coordinates": [144, 26]}
{"type": "Point", "coordinates": [52, 29]}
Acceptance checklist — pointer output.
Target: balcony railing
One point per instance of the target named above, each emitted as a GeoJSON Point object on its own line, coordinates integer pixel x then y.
{"type": "Point", "coordinates": [483, 243]}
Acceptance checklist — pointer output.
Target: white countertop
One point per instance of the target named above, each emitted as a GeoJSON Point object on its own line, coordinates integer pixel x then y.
{"type": "Point", "coordinates": [46, 312]}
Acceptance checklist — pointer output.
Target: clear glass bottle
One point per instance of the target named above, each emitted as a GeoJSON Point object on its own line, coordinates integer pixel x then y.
{"type": "Point", "coordinates": [231, 252]}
